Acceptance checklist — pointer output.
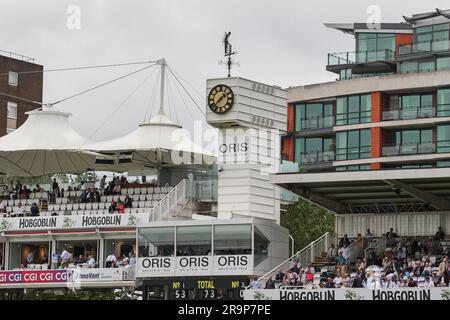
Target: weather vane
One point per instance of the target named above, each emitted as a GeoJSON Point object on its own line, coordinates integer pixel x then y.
{"type": "Point", "coordinates": [228, 53]}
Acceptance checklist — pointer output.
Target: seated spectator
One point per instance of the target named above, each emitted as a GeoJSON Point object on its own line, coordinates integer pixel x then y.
{"type": "Point", "coordinates": [270, 284]}
{"type": "Point", "coordinates": [80, 260]}
{"type": "Point", "coordinates": [91, 262]}
{"type": "Point", "coordinates": [97, 196]}
{"type": "Point", "coordinates": [368, 234]}
{"type": "Point", "coordinates": [84, 196]}
{"type": "Point", "coordinates": [279, 276]}
{"type": "Point", "coordinates": [329, 283]}
{"type": "Point", "coordinates": [116, 189]}
{"type": "Point", "coordinates": [2, 207]}
{"type": "Point", "coordinates": [120, 207]}
{"type": "Point", "coordinates": [113, 207]}
{"type": "Point", "coordinates": [255, 284]}
{"type": "Point", "coordinates": [34, 210]}
{"type": "Point", "coordinates": [128, 202]}
{"type": "Point", "coordinates": [20, 210]}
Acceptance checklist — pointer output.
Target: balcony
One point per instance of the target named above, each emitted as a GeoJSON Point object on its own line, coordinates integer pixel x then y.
{"type": "Point", "coordinates": [440, 110]}
{"type": "Point", "coordinates": [410, 113]}
{"type": "Point", "coordinates": [409, 149]}
{"type": "Point", "coordinates": [362, 61]}
{"type": "Point", "coordinates": [317, 161]}
{"type": "Point", "coordinates": [353, 153]}
{"type": "Point", "coordinates": [424, 47]}
{"type": "Point", "coordinates": [316, 123]}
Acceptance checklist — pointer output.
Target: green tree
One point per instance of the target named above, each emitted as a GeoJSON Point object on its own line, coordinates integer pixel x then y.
{"type": "Point", "coordinates": [306, 222]}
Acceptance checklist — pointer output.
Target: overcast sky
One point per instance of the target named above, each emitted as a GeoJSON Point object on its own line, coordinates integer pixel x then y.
{"type": "Point", "coordinates": [279, 42]}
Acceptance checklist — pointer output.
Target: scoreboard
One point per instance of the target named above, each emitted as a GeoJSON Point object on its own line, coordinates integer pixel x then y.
{"type": "Point", "coordinates": [203, 288]}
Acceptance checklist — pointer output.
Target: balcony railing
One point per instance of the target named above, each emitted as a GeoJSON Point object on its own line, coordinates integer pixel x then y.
{"type": "Point", "coordinates": [356, 117]}
{"type": "Point", "coordinates": [317, 122]}
{"type": "Point", "coordinates": [316, 157]}
{"type": "Point", "coordinates": [409, 149]}
{"type": "Point", "coordinates": [353, 153]}
{"type": "Point", "coordinates": [425, 46]}
{"type": "Point", "coordinates": [410, 113]}
{"type": "Point", "coordinates": [355, 57]}
{"type": "Point", "coordinates": [439, 110]}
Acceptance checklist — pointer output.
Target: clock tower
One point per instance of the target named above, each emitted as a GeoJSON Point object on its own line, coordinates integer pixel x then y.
{"type": "Point", "coordinates": [250, 116]}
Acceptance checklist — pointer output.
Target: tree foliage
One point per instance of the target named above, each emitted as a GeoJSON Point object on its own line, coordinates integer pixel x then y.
{"type": "Point", "coordinates": [306, 222]}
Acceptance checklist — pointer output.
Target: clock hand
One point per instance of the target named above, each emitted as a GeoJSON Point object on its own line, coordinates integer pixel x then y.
{"type": "Point", "coordinates": [220, 99]}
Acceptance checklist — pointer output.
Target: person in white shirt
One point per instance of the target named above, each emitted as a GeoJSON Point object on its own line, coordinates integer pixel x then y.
{"type": "Point", "coordinates": [91, 262]}
{"type": "Point", "coordinates": [338, 280]}
{"type": "Point", "coordinates": [428, 283]}
{"type": "Point", "coordinates": [20, 211]}
{"type": "Point", "coordinates": [111, 261]}
{"type": "Point", "coordinates": [30, 257]}
{"type": "Point", "coordinates": [65, 256]}
{"type": "Point", "coordinates": [133, 260]}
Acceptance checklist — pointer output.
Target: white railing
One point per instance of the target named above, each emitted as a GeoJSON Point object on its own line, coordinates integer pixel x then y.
{"type": "Point", "coordinates": [305, 256]}
{"type": "Point", "coordinates": [170, 201]}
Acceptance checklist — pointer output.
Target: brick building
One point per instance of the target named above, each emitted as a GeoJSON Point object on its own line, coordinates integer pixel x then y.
{"type": "Point", "coordinates": [15, 83]}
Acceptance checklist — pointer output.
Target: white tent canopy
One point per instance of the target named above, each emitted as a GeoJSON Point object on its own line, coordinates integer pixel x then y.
{"type": "Point", "coordinates": [44, 144]}
{"type": "Point", "coordinates": [158, 142]}
{"type": "Point", "coordinates": [47, 144]}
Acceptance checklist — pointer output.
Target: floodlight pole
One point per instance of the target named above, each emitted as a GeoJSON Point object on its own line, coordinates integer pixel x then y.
{"type": "Point", "coordinates": [162, 62]}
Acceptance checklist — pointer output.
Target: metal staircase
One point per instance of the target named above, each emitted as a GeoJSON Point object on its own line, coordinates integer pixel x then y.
{"type": "Point", "coordinates": [312, 253]}
{"type": "Point", "coordinates": [171, 204]}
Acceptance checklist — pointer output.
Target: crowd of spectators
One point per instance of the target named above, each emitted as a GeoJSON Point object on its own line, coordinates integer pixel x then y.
{"type": "Point", "coordinates": [122, 261]}
{"type": "Point", "coordinates": [401, 262]}
{"type": "Point", "coordinates": [88, 194]}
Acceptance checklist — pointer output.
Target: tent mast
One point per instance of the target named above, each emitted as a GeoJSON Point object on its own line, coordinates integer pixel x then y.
{"type": "Point", "coordinates": [162, 62]}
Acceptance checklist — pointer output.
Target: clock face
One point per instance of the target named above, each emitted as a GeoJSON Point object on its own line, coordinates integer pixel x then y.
{"type": "Point", "coordinates": [220, 99]}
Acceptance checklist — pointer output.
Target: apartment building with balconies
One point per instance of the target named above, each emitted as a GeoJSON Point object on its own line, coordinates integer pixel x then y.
{"type": "Point", "coordinates": [389, 107]}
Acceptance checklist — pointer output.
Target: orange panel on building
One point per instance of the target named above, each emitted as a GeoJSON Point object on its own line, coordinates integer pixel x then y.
{"type": "Point", "coordinates": [291, 118]}
{"type": "Point", "coordinates": [288, 148]}
{"type": "Point", "coordinates": [402, 39]}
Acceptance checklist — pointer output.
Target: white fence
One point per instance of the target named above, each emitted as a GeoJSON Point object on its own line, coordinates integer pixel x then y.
{"type": "Point", "coordinates": [414, 224]}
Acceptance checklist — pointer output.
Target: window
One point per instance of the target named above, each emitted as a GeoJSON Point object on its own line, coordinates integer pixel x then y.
{"type": "Point", "coordinates": [12, 110]}
{"type": "Point", "coordinates": [313, 116]}
{"type": "Point", "coordinates": [261, 247]}
{"type": "Point", "coordinates": [443, 102]}
{"type": "Point", "coordinates": [13, 78]}
{"type": "Point", "coordinates": [443, 63]}
{"type": "Point", "coordinates": [311, 150]}
{"type": "Point", "coordinates": [375, 46]}
{"type": "Point", "coordinates": [416, 106]}
{"type": "Point", "coordinates": [414, 141]}
{"type": "Point", "coordinates": [426, 66]}
{"type": "Point", "coordinates": [11, 117]}
{"type": "Point", "coordinates": [194, 240]}
{"type": "Point", "coordinates": [232, 239]}
{"type": "Point", "coordinates": [443, 138]}
{"type": "Point", "coordinates": [432, 38]}
{"type": "Point", "coordinates": [156, 242]}
{"type": "Point", "coordinates": [408, 67]}
{"type": "Point", "coordinates": [353, 109]}
{"type": "Point", "coordinates": [354, 144]}
{"type": "Point", "coordinates": [443, 163]}
{"type": "Point", "coordinates": [360, 167]}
